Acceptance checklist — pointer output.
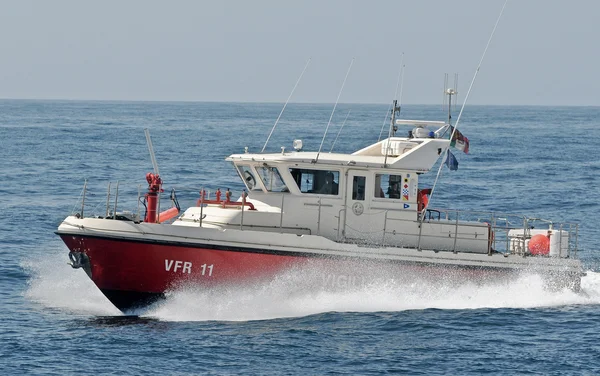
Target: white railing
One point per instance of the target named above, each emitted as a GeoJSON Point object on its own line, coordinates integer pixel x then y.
{"type": "Point", "coordinates": [509, 232]}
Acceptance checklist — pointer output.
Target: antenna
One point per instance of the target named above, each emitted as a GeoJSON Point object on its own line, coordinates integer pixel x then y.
{"type": "Point", "coordinates": [456, 89]}
{"type": "Point", "coordinates": [400, 77]}
{"type": "Point", "coordinates": [444, 91]}
{"type": "Point", "coordinates": [332, 112]}
{"type": "Point", "coordinates": [340, 131]}
{"type": "Point", "coordinates": [151, 150]}
{"type": "Point", "coordinates": [465, 101]}
{"type": "Point", "coordinates": [449, 92]}
{"type": "Point", "coordinates": [286, 102]}
{"type": "Point", "coordinates": [393, 129]}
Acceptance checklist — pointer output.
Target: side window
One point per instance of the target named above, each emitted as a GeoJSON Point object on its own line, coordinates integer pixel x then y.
{"type": "Point", "coordinates": [322, 182]}
{"type": "Point", "coordinates": [358, 188]}
{"type": "Point", "coordinates": [248, 178]}
{"type": "Point", "coordinates": [272, 179]}
{"type": "Point", "coordinates": [387, 186]}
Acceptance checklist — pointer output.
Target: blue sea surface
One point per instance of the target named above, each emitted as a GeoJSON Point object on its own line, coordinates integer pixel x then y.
{"type": "Point", "coordinates": [541, 161]}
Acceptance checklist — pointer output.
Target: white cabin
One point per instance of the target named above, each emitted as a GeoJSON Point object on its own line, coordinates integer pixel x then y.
{"type": "Point", "coordinates": [368, 197]}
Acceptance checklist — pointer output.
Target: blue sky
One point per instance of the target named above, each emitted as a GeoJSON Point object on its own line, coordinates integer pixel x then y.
{"type": "Point", "coordinates": [543, 52]}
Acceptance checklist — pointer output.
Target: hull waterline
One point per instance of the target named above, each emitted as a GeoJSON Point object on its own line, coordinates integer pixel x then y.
{"type": "Point", "coordinates": [135, 274]}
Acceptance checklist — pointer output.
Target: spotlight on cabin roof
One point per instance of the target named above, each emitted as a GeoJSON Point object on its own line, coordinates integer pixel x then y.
{"type": "Point", "coordinates": [297, 145]}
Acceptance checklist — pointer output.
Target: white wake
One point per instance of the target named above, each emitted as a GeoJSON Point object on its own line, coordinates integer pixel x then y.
{"type": "Point", "coordinates": [296, 293]}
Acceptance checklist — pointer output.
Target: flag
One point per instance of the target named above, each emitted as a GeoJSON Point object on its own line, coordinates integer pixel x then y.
{"type": "Point", "coordinates": [451, 161]}
{"type": "Point", "coordinates": [459, 141]}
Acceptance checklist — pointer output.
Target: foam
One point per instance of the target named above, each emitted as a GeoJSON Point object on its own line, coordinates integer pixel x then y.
{"type": "Point", "coordinates": [297, 293]}
{"type": "Point", "coordinates": [55, 284]}
{"type": "Point", "coordinates": [288, 296]}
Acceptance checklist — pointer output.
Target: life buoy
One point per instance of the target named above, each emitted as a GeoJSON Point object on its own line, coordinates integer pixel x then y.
{"type": "Point", "coordinates": [423, 199]}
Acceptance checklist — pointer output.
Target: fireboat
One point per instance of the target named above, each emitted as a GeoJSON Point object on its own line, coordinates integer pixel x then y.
{"type": "Point", "coordinates": [307, 208]}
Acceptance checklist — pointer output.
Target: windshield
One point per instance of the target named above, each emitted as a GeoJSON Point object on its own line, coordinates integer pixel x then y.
{"type": "Point", "coordinates": [248, 178]}
{"type": "Point", "coordinates": [272, 179]}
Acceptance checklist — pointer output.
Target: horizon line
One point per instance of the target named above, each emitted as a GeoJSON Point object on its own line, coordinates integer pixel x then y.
{"type": "Point", "coordinates": [272, 102]}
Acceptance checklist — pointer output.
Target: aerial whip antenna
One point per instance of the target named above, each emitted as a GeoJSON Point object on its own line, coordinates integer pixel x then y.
{"type": "Point", "coordinates": [398, 83]}
{"type": "Point", "coordinates": [151, 150]}
{"type": "Point", "coordinates": [396, 106]}
{"type": "Point", "coordinates": [465, 102]}
{"type": "Point", "coordinates": [449, 92]}
{"type": "Point", "coordinates": [332, 112]}
{"type": "Point", "coordinates": [384, 121]}
{"type": "Point", "coordinates": [286, 102]}
{"type": "Point", "coordinates": [340, 131]}
{"type": "Point", "coordinates": [400, 80]}
{"type": "Point", "coordinates": [456, 88]}
{"type": "Point", "coordinates": [444, 91]}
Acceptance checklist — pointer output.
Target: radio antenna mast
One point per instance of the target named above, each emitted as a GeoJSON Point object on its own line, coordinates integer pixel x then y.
{"type": "Point", "coordinates": [340, 131]}
{"type": "Point", "coordinates": [286, 102]}
{"type": "Point", "coordinates": [444, 91]}
{"type": "Point", "coordinates": [455, 88]}
{"type": "Point", "coordinates": [445, 155]}
{"type": "Point", "coordinates": [332, 112]}
{"type": "Point", "coordinates": [449, 92]}
{"type": "Point", "coordinates": [399, 82]}
{"type": "Point", "coordinates": [151, 150]}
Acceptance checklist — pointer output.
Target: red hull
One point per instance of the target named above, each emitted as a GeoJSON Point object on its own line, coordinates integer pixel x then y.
{"type": "Point", "coordinates": [155, 268]}
{"type": "Point", "coordinates": [136, 273]}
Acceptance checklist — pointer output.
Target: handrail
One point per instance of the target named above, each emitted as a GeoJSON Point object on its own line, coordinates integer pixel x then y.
{"type": "Point", "coordinates": [508, 233]}
{"type": "Point", "coordinates": [499, 226]}
{"type": "Point", "coordinates": [225, 203]}
{"type": "Point", "coordinates": [337, 237]}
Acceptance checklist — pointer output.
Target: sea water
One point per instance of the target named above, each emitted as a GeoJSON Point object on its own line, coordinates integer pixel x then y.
{"type": "Point", "coordinates": [541, 161]}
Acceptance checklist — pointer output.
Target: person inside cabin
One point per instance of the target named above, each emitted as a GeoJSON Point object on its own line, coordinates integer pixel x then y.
{"type": "Point", "coordinates": [330, 187]}
{"type": "Point", "coordinates": [393, 191]}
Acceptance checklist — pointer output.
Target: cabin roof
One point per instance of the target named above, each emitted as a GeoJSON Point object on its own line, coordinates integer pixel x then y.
{"type": "Point", "coordinates": [418, 154]}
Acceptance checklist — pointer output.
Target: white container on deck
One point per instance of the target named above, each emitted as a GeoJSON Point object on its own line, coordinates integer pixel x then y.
{"type": "Point", "coordinates": [559, 241]}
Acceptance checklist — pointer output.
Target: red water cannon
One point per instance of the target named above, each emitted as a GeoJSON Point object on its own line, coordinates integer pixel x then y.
{"type": "Point", "coordinates": [154, 190]}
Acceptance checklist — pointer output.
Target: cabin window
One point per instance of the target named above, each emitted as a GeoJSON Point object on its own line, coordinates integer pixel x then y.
{"type": "Point", "coordinates": [388, 186]}
{"type": "Point", "coordinates": [323, 182]}
{"type": "Point", "coordinates": [272, 179]}
{"type": "Point", "coordinates": [358, 188]}
{"type": "Point", "coordinates": [248, 178]}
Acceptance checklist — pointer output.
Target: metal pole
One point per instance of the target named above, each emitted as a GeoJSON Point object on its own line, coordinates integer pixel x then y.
{"type": "Point", "coordinates": [158, 206]}
{"type": "Point", "coordinates": [390, 134]}
{"type": "Point", "coordinates": [507, 239]}
{"type": "Point", "coordinates": [560, 228]}
{"type": "Point", "coordinates": [281, 217]}
{"type": "Point", "coordinates": [116, 198]}
{"type": "Point", "coordinates": [201, 205]}
{"type": "Point", "coordinates": [455, 233]}
{"type": "Point", "coordinates": [420, 222]}
{"type": "Point", "coordinates": [319, 219]}
{"type": "Point", "coordinates": [337, 238]}
{"type": "Point", "coordinates": [107, 199]}
{"type": "Point", "coordinates": [576, 238]}
{"type": "Point", "coordinates": [138, 202]}
{"type": "Point", "coordinates": [524, 234]}
{"type": "Point", "coordinates": [83, 198]}
{"type": "Point", "coordinates": [243, 204]}
{"type": "Point", "coordinates": [384, 228]}
{"type": "Point", "coordinates": [333, 111]}
{"type": "Point", "coordinates": [492, 229]}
